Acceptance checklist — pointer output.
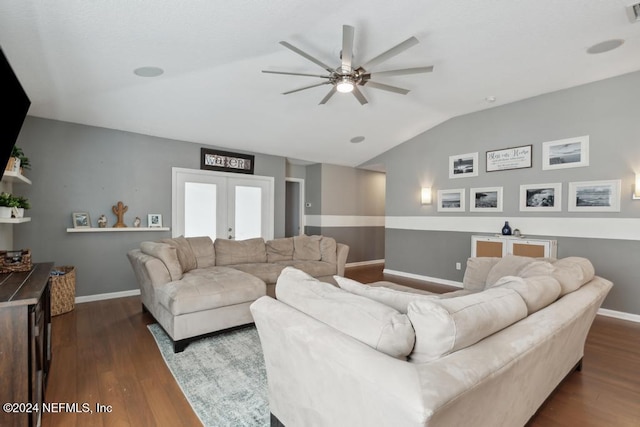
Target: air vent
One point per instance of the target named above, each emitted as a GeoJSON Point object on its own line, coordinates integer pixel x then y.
{"type": "Point", "coordinates": [633, 11]}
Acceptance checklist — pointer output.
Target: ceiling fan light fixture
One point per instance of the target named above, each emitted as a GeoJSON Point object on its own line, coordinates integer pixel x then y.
{"type": "Point", "coordinates": [345, 85]}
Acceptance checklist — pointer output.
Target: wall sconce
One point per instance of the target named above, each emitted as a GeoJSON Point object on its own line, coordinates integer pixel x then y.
{"type": "Point", "coordinates": [636, 190]}
{"type": "Point", "coordinates": [426, 195]}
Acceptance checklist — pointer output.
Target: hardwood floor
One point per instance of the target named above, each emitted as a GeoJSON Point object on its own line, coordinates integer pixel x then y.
{"type": "Point", "coordinates": [104, 354]}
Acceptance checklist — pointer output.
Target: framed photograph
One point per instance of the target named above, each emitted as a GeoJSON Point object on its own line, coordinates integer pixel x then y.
{"type": "Point", "coordinates": [487, 199]}
{"type": "Point", "coordinates": [463, 165]}
{"type": "Point", "coordinates": [565, 153]}
{"type": "Point", "coordinates": [594, 196]}
{"type": "Point", "coordinates": [451, 200]}
{"type": "Point", "coordinates": [154, 220]}
{"type": "Point", "coordinates": [81, 220]}
{"type": "Point", "coordinates": [541, 197]}
{"type": "Point", "coordinates": [509, 158]}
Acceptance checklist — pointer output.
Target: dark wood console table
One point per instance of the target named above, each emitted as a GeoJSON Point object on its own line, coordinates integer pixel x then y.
{"type": "Point", "coordinates": [25, 343]}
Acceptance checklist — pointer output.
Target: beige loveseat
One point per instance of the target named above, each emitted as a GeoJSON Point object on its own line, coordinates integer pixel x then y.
{"type": "Point", "coordinates": [376, 356]}
{"type": "Point", "coordinates": [194, 286]}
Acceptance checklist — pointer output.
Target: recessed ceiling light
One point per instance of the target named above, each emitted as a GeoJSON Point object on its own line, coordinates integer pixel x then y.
{"type": "Point", "coordinates": [148, 71]}
{"type": "Point", "coordinates": [605, 46]}
{"type": "Point", "coordinates": [490, 99]}
{"type": "Point", "coordinates": [357, 139]}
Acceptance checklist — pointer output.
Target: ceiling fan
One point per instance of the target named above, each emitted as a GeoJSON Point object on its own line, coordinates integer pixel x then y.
{"type": "Point", "coordinates": [347, 77]}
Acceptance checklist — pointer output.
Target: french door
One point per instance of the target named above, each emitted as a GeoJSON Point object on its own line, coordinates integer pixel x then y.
{"type": "Point", "coordinates": [221, 205]}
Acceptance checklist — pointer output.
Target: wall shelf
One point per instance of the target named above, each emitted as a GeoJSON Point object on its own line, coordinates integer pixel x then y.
{"type": "Point", "coordinates": [15, 177]}
{"type": "Point", "coordinates": [111, 229]}
{"type": "Point", "coordinates": [14, 220]}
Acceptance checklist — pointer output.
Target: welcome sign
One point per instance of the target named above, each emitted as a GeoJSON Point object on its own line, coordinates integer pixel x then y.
{"type": "Point", "coordinates": [509, 158]}
{"type": "Point", "coordinates": [224, 161]}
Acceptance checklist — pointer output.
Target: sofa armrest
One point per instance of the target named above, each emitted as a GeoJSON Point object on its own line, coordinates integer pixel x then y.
{"type": "Point", "coordinates": [149, 271]}
{"type": "Point", "coordinates": [342, 251]}
{"type": "Point", "coordinates": [320, 376]}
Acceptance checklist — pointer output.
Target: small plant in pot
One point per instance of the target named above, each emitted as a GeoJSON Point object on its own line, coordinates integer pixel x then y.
{"type": "Point", "coordinates": [7, 201]}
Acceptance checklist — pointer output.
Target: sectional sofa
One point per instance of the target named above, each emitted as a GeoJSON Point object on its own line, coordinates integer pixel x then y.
{"type": "Point", "coordinates": [194, 286]}
{"type": "Point", "coordinates": [487, 355]}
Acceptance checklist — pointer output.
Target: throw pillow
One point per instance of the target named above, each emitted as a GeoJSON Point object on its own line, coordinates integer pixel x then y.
{"type": "Point", "coordinates": [328, 247]}
{"type": "Point", "coordinates": [537, 292]}
{"type": "Point", "coordinates": [280, 249]}
{"type": "Point", "coordinates": [446, 325]}
{"type": "Point", "coordinates": [376, 325]}
{"type": "Point", "coordinates": [202, 248]}
{"type": "Point", "coordinates": [230, 252]}
{"type": "Point", "coordinates": [186, 257]}
{"type": "Point", "coordinates": [167, 254]}
{"type": "Point", "coordinates": [572, 273]}
{"type": "Point", "coordinates": [306, 248]}
{"type": "Point", "coordinates": [475, 275]}
{"type": "Point", "coordinates": [391, 297]}
{"type": "Point", "coordinates": [512, 265]}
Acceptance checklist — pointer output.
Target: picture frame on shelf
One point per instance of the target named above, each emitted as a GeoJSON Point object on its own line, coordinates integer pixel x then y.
{"type": "Point", "coordinates": [594, 196]}
{"type": "Point", "coordinates": [81, 220]}
{"type": "Point", "coordinates": [541, 197]}
{"type": "Point", "coordinates": [154, 220]}
{"type": "Point", "coordinates": [452, 200]}
{"type": "Point", "coordinates": [485, 199]}
{"type": "Point", "coordinates": [463, 165]}
{"type": "Point", "coordinates": [565, 153]}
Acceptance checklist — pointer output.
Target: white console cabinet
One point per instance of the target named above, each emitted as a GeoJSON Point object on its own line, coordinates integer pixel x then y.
{"type": "Point", "coordinates": [499, 246]}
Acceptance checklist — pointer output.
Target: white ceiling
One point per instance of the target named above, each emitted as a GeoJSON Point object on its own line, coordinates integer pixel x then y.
{"type": "Point", "coordinates": [76, 60]}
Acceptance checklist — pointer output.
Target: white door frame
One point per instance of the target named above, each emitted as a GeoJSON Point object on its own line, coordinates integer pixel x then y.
{"type": "Point", "coordinates": [302, 200]}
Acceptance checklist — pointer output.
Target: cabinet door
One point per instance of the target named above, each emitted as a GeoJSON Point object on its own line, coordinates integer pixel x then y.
{"type": "Point", "coordinates": [534, 249]}
{"type": "Point", "coordinates": [487, 247]}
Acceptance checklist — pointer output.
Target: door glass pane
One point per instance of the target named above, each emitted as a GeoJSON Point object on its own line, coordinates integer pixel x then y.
{"type": "Point", "coordinates": [248, 212]}
{"type": "Point", "coordinates": [200, 209]}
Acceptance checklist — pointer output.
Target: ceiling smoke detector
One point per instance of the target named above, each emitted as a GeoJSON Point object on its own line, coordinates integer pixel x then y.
{"type": "Point", "coordinates": [633, 12]}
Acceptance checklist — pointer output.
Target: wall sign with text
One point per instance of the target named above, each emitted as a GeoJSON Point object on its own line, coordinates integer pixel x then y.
{"type": "Point", "coordinates": [224, 161]}
{"type": "Point", "coordinates": [509, 158]}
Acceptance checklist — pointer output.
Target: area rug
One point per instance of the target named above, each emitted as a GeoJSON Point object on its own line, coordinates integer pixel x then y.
{"type": "Point", "coordinates": [223, 377]}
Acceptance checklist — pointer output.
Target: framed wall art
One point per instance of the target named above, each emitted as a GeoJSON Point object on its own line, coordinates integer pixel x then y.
{"type": "Point", "coordinates": [541, 197]}
{"type": "Point", "coordinates": [487, 199]}
{"type": "Point", "coordinates": [509, 158]}
{"type": "Point", "coordinates": [225, 161]}
{"type": "Point", "coordinates": [154, 220]}
{"type": "Point", "coordinates": [463, 165]}
{"type": "Point", "coordinates": [81, 220]}
{"type": "Point", "coordinates": [451, 200]}
{"type": "Point", "coordinates": [565, 153]}
{"type": "Point", "coordinates": [594, 196]}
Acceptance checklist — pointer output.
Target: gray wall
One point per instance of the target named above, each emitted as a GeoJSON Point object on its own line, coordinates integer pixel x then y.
{"type": "Point", "coordinates": [345, 194]}
{"type": "Point", "coordinates": [607, 111]}
{"type": "Point", "coordinates": [89, 169]}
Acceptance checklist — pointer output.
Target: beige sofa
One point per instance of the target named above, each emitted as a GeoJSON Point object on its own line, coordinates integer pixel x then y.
{"type": "Point", "coordinates": [488, 355]}
{"type": "Point", "coordinates": [194, 286]}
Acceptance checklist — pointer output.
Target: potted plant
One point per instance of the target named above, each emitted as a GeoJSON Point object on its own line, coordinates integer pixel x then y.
{"type": "Point", "coordinates": [7, 202]}
{"type": "Point", "coordinates": [18, 160]}
{"type": "Point", "coordinates": [22, 203]}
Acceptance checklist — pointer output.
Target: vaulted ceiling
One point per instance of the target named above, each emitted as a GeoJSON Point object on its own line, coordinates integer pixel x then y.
{"type": "Point", "coordinates": [77, 58]}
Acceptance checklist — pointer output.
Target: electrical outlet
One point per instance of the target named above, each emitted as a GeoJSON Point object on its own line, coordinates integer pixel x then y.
{"type": "Point", "coordinates": [458, 266]}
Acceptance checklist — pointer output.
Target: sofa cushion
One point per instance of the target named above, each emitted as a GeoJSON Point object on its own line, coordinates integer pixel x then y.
{"type": "Point", "coordinates": [443, 326]}
{"type": "Point", "coordinates": [307, 248]}
{"type": "Point", "coordinates": [230, 252]}
{"type": "Point", "coordinates": [537, 292]}
{"type": "Point", "coordinates": [167, 254]}
{"type": "Point", "coordinates": [209, 288]}
{"type": "Point", "coordinates": [202, 248]}
{"type": "Point", "coordinates": [313, 268]}
{"type": "Point", "coordinates": [186, 257]}
{"type": "Point", "coordinates": [280, 249]}
{"type": "Point", "coordinates": [572, 273]}
{"type": "Point", "coordinates": [512, 265]}
{"type": "Point", "coordinates": [328, 250]}
{"type": "Point", "coordinates": [377, 325]}
{"type": "Point", "coordinates": [267, 272]}
{"type": "Point", "coordinates": [475, 275]}
{"type": "Point", "coordinates": [397, 299]}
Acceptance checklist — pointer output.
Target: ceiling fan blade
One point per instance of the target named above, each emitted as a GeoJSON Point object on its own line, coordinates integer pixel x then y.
{"type": "Point", "coordinates": [328, 96]}
{"type": "Point", "coordinates": [411, 41]}
{"type": "Point", "coordinates": [306, 55]}
{"type": "Point", "coordinates": [402, 72]}
{"type": "Point", "coordinates": [296, 74]}
{"type": "Point", "coordinates": [347, 47]}
{"type": "Point", "coordinates": [359, 96]}
{"type": "Point", "coordinates": [306, 87]}
{"type": "Point", "coordinates": [387, 87]}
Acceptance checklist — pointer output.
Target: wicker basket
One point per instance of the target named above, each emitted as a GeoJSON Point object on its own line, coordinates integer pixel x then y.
{"type": "Point", "coordinates": [63, 291]}
{"type": "Point", "coordinates": [15, 261]}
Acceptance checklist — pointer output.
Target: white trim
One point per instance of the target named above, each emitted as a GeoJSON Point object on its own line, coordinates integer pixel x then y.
{"type": "Point", "coordinates": [344, 221]}
{"type": "Point", "coordinates": [594, 228]}
{"type": "Point", "coordinates": [361, 263]}
{"type": "Point", "coordinates": [424, 278]}
{"type": "Point", "coordinates": [111, 295]}
{"type": "Point", "coordinates": [620, 315]}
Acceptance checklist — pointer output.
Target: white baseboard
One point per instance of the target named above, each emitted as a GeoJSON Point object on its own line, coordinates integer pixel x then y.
{"type": "Point", "coordinates": [425, 278]}
{"type": "Point", "coordinates": [361, 263]}
{"type": "Point", "coordinates": [620, 315]}
{"type": "Point", "coordinates": [111, 295]}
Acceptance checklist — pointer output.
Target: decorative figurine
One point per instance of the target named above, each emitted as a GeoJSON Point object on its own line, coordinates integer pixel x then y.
{"type": "Point", "coordinates": [119, 210]}
{"type": "Point", "coordinates": [136, 222]}
{"type": "Point", "coordinates": [506, 229]}
{"type": "Point", "coordinates": [102, 221]}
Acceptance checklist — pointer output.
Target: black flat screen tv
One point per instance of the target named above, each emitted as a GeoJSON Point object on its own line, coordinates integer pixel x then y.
{"type": "Point", "coordinates": [15, 105]}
